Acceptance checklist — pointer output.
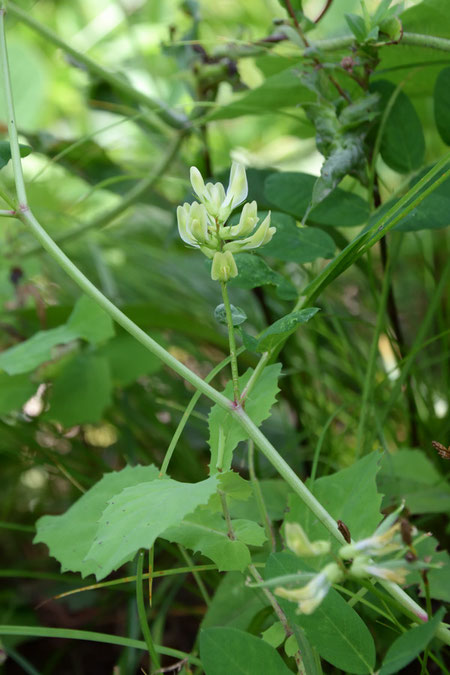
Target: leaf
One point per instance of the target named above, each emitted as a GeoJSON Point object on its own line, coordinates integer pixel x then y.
{"type": "Point", "coordinates": [337, 632]}
{"type": "Point", "coordinates": [282, 90]}
{"type": "Point", "coordinates": [410, 644]}
{"type": "Point", "coordinates": [70, 535]}
{"type": "Point", "coordinates": [254, 272]}
{"type": "Point", "coordinates": [298, 244]}
{"type": "Point", "coordinates": [439, 579]}
{"type": "Point", "coordinates": [234, 604]}
{"type": "Point", "coordinates": [441, 97]}
{"type": "Point", "coordinates": [128, 359]}
{"type": "Point", "coordinates": [228, 650]}
{"type": "Point", "coordinates": [357, 26]}
{"type": "Point", "coordinates": [349, 495]}
{"type": "Point", "coordinates": [90, 322]}
{"type": "Point", "coordinates": [87, 321]}
{"type": "Point", "coordinates": [284, 327]}
{"type": "Point", "coordinates": [238, 315]}
{"type": "Point", "coordinates": [403, 144]}
{"type": "Point", "coordinates": [275, 635]}
{"type": "Point", "coordinates": [28, 355]}
{"type": "Point", "coordinates": [291, 192]}
{"type": "Point", "coordinates": [5, 152]}
{"type": "Point", "coordinates": [135, 517]}
{"type": "Point", "coordinates": [432, 213]}
{"type": "Point", "coordinates": [234, 486]}
{"type": "Point", "coordinates": [83, 391]}
{"type": "Point", "coordinates": [207, 533]}
{"type": "Point", "coordinates": [408, 474]}
{"type": "Point", "coordinates": [14, 392]}
{"type": "Point", "coordinates": [275, 494]}
{"type": "Point", "coordinates": [225, 432]}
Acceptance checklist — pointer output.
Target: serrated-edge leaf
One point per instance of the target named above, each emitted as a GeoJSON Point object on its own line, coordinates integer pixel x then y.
{"type": "Point", "coordinates": [135, 517]}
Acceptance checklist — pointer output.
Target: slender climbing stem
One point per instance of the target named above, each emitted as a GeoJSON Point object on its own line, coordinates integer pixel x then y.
{"type": "Point", "coordinates": [236, 411]}
{"type": "Point", "coordinates": [142, 613]}
{"type": "Point", "coordinates": [232, 341]}
{"type": "Point", "coordinates": [7, 214]}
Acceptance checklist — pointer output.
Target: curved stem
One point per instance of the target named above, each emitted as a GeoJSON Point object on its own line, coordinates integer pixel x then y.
{"type": "Point", "coordinates": [236, 411]}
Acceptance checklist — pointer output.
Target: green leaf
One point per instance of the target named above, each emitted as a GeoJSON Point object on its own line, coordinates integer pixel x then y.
{"type": "Point", "coordinates": [14, 392]}
{"type": "Point", "coordinates": [135, 517]}
{"type": "Point", "coordinates": [275, 494]}
{"type": "Point", "coordinates": [70, 535]}
{"type": "Point", "coordinates": [207, 533]}
{"type": "Point", "coordinates": [254, 272]}
{"type": "Point", "coordinates": [234, 604]}
{"type": "Point", "coordinates": [403, 143]}
{"type": "Point", "coordinates": [284, 327]}
{"type": "Point", "coordinates": [337, 632]}
{"type": "Point", "coordinates": [441, 97]}
{"type": "Point", "coordinates": [28, 355]}
{"type": "Point", "coordinates": [90, 322]}
{"type": "Point", "coordinates": [234, 486]}
{"type": "Point", "coordinates": [409, 475]}
{"type": "Point", "coordinates": [87, 321]}
{"type": "Point", "coordinates": [5, 152]}
{"type": "Point", "coordinates": [128, 359]}
{"type": "Point", "coordinates": [238, 315]}
{"type": "Point", "coordinates": [298, 244]}
{"type": "Point", "coordinates": [291, 192]}
{"type": "Point", "coordinates": [349, 495]}
{"type": "Point", "coordinates": [357, 26]}
{"type": "Point", "coordinates": [227, 650]}
{"type": "Point", "coordinates": [83, 391]}
{"type": "Point", "coordinates": [275, 635]}
{"type": "Point", "coordinates": [409, 645]}
{"type": "Point", "coordinates": [225, 432]}
{"type": "Point", "coordinates": [283, 90]}
{"type": "Point", "coordinates": [439, 579]}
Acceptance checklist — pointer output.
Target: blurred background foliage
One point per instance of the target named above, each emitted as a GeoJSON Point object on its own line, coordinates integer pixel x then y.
{"type": "Point", "coordinates": [96, 400]}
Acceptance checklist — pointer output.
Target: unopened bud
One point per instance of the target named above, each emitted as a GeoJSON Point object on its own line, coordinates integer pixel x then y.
{"type": "Point", "coordinates": [223, 266]}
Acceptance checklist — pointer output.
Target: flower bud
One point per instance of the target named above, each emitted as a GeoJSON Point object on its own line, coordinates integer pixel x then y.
{"type": "Point", "coordinates": [394, 571]}
{"type": "Point", "coordinates": [193, 224]}
{"type": "Point", "coordinates": [223, 266]}
{"type": "Point", "coordinates": [298, 542]}
{"type": "Point", "coordinates": [197, 182]}
{"type": "Point", "coordinates": [377, 545]}
{"type": "Point", "coordinates": [310, 596]}
{"type": "Point", "coordinates": [247, 222]}
{"type": "Point", "coordinates": [262, 236]}
{"type": "Point", "coordinates": [237, 190]}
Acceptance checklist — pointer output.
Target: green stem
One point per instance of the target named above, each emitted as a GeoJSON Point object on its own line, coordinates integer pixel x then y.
{"type": "Point", "coordinates": [371, 363]}
{"type": "Point", "coordinates": [117, 82]}
{"type": "Point", "coordinates": [187, 413]}
{"type": "Point", "coordinates": [7, 214]}
{"type": "Point", "coordinates": [128, 199]}
{"type": "Point", "coordinates": [143, 614]}
{"type": "Point", "coordinates": [198, 580]}
{"type": "Point", "coordinates": [264, 515]}
{"type": "Point", "coordinates": [12, 129]}
{"type": "Point", "coordinates": [115, 313]}
{"type": "Point", "coordinates": [232, 341]}
{"type": "Point", "coordinates": [255, 375]}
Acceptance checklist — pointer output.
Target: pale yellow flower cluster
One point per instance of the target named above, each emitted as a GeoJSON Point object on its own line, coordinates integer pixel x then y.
{"type": "Point", "coordinates": [203, 224]}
